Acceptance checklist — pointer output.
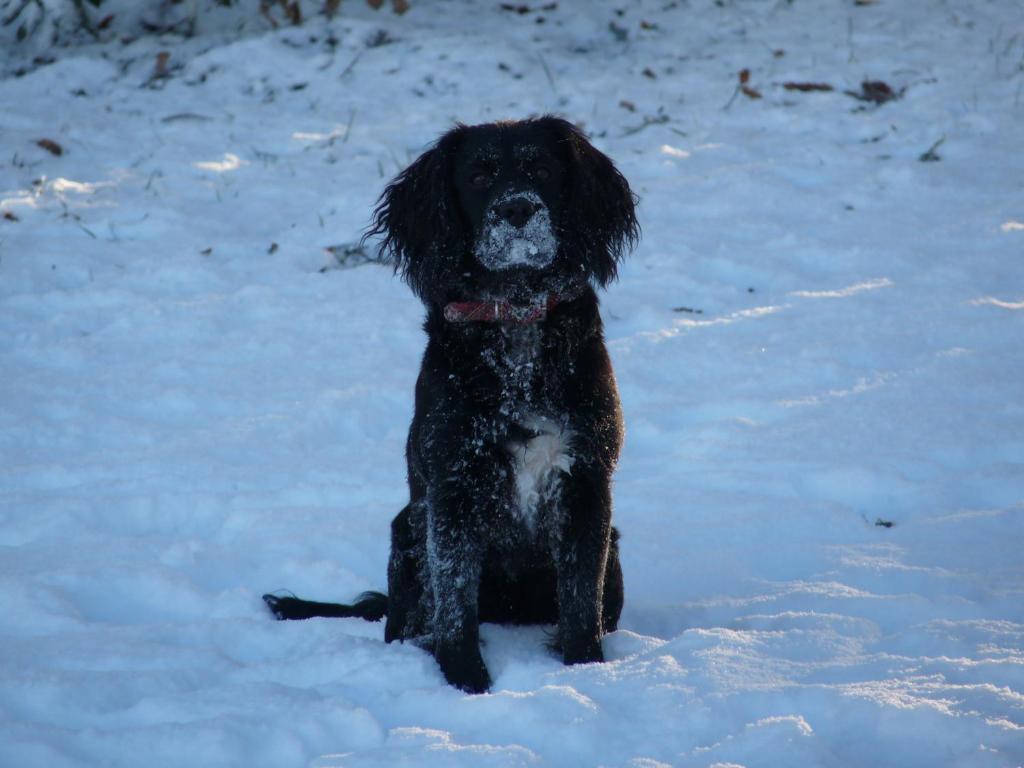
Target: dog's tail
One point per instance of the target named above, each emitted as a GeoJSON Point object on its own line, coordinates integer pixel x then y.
{"type": "Point", "coordinates": [372, 606]}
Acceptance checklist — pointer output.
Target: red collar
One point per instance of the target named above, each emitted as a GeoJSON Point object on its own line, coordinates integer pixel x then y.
{"type": "Point", "coordinates": [499, 311]}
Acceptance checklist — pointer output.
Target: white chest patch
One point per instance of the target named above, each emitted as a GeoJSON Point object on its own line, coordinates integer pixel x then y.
{"type": "Point", "coordinates": [539, 463]}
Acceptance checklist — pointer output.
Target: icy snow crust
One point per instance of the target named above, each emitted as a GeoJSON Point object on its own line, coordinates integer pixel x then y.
{"type": "Point", "coordinates": [818, 332]}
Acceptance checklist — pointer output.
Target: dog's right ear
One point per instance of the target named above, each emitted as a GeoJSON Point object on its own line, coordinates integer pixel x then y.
{"type": "Point", "coordinates": [418, 216]}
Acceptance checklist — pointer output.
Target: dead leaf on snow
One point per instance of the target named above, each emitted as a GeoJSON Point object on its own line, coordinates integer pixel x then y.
{"type": "Point", "coordinates": [876, 91]}
{"type": "Point", "coordinates": [51, 146]}
{"type": "Point", "coordinates": [160, 69]}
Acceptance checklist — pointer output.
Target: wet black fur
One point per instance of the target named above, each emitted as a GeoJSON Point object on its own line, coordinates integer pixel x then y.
{"type": "Point", "coordinates": [460, 553]}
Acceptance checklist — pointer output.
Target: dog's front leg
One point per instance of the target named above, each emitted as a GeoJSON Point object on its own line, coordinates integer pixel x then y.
{"type": "Point", "coordinates": [456, 520]}
{"type": "Point", "coordinates": [581, 555]}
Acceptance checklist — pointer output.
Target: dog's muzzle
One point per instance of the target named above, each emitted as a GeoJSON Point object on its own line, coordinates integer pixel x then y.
{"type": "Point", "coordinates": [517, 232]}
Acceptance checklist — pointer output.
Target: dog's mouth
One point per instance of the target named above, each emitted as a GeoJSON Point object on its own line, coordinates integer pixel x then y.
{"type": "Point", "coordinates": [506, 244]}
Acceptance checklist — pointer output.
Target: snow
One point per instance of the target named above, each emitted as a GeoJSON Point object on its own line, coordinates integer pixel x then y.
{"type": "Point", "coordinates": [818, 336]}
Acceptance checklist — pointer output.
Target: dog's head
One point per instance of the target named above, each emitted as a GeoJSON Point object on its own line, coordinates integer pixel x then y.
{"type": "Point", "coordinates": [507, 209]}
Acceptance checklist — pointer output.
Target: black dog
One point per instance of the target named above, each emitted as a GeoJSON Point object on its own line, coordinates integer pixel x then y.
{"type": "Point", "coordinates": [503, 230]}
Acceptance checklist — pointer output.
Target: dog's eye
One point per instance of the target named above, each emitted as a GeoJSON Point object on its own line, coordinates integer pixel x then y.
{"type": "Point", "coordinates": [541, 173]}
{"type": "Point", "coordinates": [480, 179]}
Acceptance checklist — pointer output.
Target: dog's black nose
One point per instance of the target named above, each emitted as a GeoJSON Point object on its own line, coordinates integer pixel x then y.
{"type": "Point", "coordinates": [516, 211]}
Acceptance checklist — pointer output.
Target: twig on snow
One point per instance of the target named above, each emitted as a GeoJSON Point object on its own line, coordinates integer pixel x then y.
{"type": "Point", "coordinates": [348, 126]}
{"type": "Point", "coordinates": [351, 64]}
{"type": "Point", "coordinates": [931, 156]}
{"type": "Point", "coordinates": [547, 72]}
{"type": "Point", "coordinates": [659, 119]}
{"type": "Point", "coordinates": [30, 27]}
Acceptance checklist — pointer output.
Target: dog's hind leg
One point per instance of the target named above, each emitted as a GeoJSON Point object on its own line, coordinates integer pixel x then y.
{"type": "Point", "coordinates": [409, 605]}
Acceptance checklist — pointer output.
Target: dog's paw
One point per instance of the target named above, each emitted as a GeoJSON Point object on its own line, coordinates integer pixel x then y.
{"type": "Point", "coordinates": [582, 651]}
{"type": "Point", "coordinates": [464, 668]}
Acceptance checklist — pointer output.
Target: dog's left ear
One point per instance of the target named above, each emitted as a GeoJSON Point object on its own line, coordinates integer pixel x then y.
{"type": "Point", "coordinates": [601, 208]}
{"type": "Point", "coordinates": [418, 217]}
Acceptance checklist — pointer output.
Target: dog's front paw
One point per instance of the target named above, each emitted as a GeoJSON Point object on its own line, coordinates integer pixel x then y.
{"type": "Point", "coordinates": [582, 650]}
{"type": "Point", "coordinates": [463, 667]}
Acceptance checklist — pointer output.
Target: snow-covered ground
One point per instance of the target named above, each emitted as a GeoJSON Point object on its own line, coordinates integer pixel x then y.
{"type": "Point", "coordinates": [819, 344]}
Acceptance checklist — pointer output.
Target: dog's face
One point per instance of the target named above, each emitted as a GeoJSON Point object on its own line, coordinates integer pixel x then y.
{"type": "Point", "coordinates": [507, 209]}
{"type": "Point", "coordinates": [509, 184]}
